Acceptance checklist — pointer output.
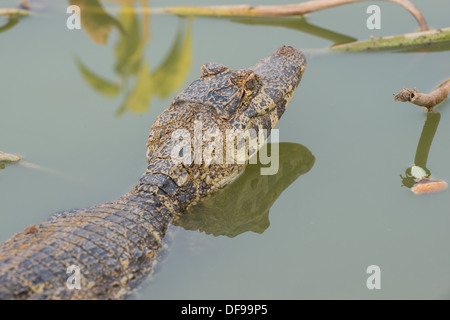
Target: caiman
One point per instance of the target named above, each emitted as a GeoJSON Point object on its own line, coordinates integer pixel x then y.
{"type": "Point", "coordinates": [114, 244]}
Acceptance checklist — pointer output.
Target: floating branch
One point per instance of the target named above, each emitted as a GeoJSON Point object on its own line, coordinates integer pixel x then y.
{"type": "Point", "coordinates": [6, 157]}
{"type": "Point", "coordinates": [14, 12]}
{"type": "Point", "coordinates": [416, 39]}
{"type": "Point", "coordinates": [427, 100]}
{"type": "Point", "coordinates": [281, 10]}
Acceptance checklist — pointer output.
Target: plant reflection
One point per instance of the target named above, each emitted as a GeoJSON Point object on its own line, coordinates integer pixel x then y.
{"type": "Point", "coordinates": [137, 81]}
{"type": "Point", "coordinates": [298, 23]}
{"type": "Point", "coordinates": [95, 21]}
{"type": "Point", "coordinates": [11, 22]}
{"type": "Point", "coordinates": [418, 177]}
{"type": "Point", "coordinates": [244, 205]}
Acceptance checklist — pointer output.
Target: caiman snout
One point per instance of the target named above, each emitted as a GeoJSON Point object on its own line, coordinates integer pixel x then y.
{"type": "Point", "coordinates": [283, 68]}
{"type": "Point", "coordinates": [279, 75]}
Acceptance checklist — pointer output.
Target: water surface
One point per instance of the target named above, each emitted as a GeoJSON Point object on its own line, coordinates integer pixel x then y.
{"type": "Point", "coordinates": [78, 106]}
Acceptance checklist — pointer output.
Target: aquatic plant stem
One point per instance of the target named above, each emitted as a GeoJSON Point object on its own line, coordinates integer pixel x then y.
{"type": "Point", "coordinates": [283, 10]}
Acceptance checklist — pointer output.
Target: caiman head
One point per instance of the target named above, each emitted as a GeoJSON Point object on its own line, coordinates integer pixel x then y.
{"type": "Point", "coordinates": [221, 99]}
{"type": "Point", "coordinates": [245, 98]}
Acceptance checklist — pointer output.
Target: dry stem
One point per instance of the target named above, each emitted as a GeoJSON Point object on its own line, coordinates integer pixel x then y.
{"type": "Point", "coordinates": [427, 100]}
{"type": "Point", "coordinates": [284, 10]}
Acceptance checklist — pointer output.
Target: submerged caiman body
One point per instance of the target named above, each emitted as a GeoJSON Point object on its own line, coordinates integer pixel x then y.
{"type": "Point", "coordinates": [114, 244]}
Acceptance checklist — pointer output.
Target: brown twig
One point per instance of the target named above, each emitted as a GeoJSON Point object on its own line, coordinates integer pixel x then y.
{"type": "Point", "coordinates": [284, 10]}
{"type": "Point", "coordinates": [427, 100]}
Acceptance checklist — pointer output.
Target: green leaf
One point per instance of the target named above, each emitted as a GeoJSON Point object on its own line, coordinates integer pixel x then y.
{"type": "Point", "coordinates": [96, 22]}
{"type": "Point", "coordinates": [130, 47]}
{"type": "Point", "coordinates": [138, 100]}
{"type": "Point", "coordinates": [173, 71]}
{"type": "Point", "coordinates": [12, 21]}
{"type": "Point", "coordinates": [105, 87]}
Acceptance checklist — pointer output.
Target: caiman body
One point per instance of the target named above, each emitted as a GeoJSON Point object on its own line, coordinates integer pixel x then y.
{"type": "Point", "coordinates": [114, 243]}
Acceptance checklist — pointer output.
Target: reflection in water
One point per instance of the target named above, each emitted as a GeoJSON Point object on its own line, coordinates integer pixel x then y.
{"type": "Point", "coordinates": [432, 47]}
{"type": "Point", "coordinates": [136, 81]}
{"type": "Point", "coordinates": [298, 23]}
{"type": "Point", "coordinates": [95, 21]}
{"type": "Point", "coordinates": [244, 205]}
{"type": "Point", "coordinates": [11, 22]}
{"type": "Point", "coordinates": [418, 176]}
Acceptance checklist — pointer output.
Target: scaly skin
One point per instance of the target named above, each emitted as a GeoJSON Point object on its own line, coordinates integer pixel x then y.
{"type": "Point", "coordinates": [114, 244]}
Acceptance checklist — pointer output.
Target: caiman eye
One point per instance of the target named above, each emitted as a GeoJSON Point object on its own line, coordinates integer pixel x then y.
{"type": "Point", "coordinates": [212, 68]}
{"type": "Point", "coordinates": [251, 82]}
{"type": "Point", "coordinates": [247, 80]}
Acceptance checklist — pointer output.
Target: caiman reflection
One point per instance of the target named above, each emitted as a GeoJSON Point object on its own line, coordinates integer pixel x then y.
{"type": "Point", "coordinates": [244, 205]}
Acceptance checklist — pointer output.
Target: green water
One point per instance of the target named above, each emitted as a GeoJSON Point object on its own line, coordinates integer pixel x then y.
{"type": "Point", "coordinates": [80, 111]}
